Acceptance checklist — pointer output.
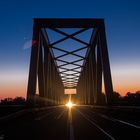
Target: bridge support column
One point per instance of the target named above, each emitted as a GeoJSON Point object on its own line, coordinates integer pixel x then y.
{"type": "Point", "coordinates": [105, 64]}
{"type": "Point", "coordinates": [41, 79]}
{"type": "Point", "coordinates": [46, 61]}
{"type": "Point", "coordinates": [99, 77]}
{"type": "Point", "coordinates": [31, 89]}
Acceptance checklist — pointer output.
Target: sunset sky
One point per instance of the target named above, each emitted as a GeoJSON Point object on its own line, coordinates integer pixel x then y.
{"type": "Point", "coordinates": [122, 19]}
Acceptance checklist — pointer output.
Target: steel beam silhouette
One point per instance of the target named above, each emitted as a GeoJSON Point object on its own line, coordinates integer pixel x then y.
{"type": "Point", "coordinates": [45, 71]}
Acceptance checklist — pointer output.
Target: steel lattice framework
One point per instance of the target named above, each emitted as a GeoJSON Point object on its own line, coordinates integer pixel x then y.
{"type": "Point", "coordinates": [53, 78]}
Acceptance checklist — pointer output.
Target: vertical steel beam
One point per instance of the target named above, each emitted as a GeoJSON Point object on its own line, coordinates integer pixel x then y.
{"type": "Point", "coordinates": [106, 64]}
{"type": "Point", "coordinates": [41, 80]}
{"type": "Point", "coordinates": [46, 52]}
{"type": "Point", "coordinates": [94, 73]}
{"type": "Point", "coordinates": [99, 75]}
{"type": "Point", "coordinates": [33, 70]}
{"type": "Point", "coordinates": [91, 80]}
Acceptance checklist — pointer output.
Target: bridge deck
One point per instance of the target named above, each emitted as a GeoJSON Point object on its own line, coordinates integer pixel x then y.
{"type": "Point", "coordinates": [83, 123]}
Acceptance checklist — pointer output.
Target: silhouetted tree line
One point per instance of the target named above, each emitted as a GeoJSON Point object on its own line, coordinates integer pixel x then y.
{"type": "Point", "coordinates": [131, 99]}
{"type": "Point", "coordinates": [13, 101]}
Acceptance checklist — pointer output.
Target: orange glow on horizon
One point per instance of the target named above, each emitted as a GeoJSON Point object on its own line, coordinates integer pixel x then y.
{"type": "Point", "coordinates": [14, 84]}
{"type": "Point", "coordinates": [13, 90]}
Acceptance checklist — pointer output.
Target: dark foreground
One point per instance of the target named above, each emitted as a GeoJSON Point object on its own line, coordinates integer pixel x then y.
{"type": "Point", "coordinates": [61, 123]}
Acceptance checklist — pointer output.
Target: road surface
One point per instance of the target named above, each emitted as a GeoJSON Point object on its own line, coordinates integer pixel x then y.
{"type": "Point", "coordinates": [62, 123]}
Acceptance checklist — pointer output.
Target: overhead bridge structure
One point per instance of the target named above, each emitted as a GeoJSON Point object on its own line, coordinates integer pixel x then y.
{"type": "Point", "coordinates": [62, 57]}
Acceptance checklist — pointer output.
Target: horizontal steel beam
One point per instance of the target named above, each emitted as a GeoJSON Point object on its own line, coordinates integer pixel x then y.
{"type": "Point", "coordinates": [68, 23]}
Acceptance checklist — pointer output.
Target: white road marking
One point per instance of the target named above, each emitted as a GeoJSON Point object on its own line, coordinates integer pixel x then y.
{"type": "Point", "coordinates": [71, 132]}
{"type": "Point", "coordinates": [60, 115]}
{"type": "Point", "coordinates": [70, 125]}
{"type": "Point", "coordinates": [129, 124]}
{"type": "Point", "coordinates": [97, 126]}
{"type": "Point", "coordinates": [1, 135]}
{"type": "Point", "coordinates": [22, 112]}
{"type": "Point", "coordinates": [43, 116]}
{"type": "Point", "coordinates": [116, 120]}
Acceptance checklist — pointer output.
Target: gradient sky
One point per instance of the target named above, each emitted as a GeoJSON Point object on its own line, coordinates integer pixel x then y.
{"type": "Point", "coordinates": [122, 18]}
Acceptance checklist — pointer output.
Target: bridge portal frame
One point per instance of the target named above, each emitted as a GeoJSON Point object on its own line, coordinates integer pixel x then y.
{"type": "Point", "coordinates": [95, 65]}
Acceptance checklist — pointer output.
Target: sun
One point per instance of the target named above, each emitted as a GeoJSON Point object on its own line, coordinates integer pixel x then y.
{"type": "Point", "coordinates": [69, 104]}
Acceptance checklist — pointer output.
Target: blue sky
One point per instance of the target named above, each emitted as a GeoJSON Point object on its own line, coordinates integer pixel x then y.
{"type": "Point", "coordinates": [122, 19]}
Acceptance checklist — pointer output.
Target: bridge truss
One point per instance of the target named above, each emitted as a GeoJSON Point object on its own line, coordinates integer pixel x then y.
{"type": "Point", "coordinates": [53, 73]}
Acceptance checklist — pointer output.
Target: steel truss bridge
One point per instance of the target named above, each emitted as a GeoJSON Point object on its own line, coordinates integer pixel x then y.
{"type": "Point", "coordinates": [54, 74]}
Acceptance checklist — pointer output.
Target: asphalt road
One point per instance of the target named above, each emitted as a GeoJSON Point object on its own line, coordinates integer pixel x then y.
{"type": "Point", "coordinates": [62, 123]}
